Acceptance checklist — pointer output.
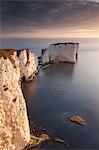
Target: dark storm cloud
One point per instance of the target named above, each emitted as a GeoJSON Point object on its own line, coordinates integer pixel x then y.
{"type": "Point", "coordinates": [35, 15]}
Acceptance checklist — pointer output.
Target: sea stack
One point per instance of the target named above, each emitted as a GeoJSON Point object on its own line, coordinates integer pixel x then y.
{"type": "Point", "coordinates": [60, 52]}
{"type": "Point", "coordinates": [14, 125]}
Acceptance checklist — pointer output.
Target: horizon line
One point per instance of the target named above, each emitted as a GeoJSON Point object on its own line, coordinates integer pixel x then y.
{"type": "Point", "coordinates": [45, 37]}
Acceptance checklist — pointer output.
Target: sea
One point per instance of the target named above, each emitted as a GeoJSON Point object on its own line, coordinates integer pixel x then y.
{"type": "Point", "coordinates": [63, 90]}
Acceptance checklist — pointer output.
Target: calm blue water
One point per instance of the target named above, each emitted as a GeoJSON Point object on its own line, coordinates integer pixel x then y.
{"type": "Point", "coordinates": [36, 45]}
{"type": "Point", "coordinates": [63, 90]}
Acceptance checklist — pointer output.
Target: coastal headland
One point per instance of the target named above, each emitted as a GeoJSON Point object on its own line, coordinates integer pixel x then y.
{"type": "Point", "coordinates": [16, 66]}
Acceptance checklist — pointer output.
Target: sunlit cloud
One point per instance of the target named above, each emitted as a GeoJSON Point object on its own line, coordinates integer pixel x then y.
{"type": "Point", "coordinates": [92, 1]}
{"type": "Point", "coordinates": [83, 30]}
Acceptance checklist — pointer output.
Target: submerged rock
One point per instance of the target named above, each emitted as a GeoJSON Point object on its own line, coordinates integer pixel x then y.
{"type": "Point", "coordinates": [78, 119]}
{"type": "Point", "coordinates": [39, 135]}
{"type": "Point", "coordinates": [60, 52]}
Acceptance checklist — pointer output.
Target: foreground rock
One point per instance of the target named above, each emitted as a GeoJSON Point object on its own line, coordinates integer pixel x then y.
{"type": "Point", "coordinates": [39, 135]}
{"type": "Point", "coordinates": [14, 127]}
{"type": "Point", "coordinates": [78, 119]}
{"type": "Point", "coordinates": [60, 52]}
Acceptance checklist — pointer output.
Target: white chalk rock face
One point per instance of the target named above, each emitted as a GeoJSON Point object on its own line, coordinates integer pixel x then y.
{"type": "Point", "coordinates": [45, 56]}
{"type": "Point", "coordinates": [14, 127]}
{"type": "Point", "coordinates": [28, 64]}
{"type": "Point", "coordinates": [60, 52]}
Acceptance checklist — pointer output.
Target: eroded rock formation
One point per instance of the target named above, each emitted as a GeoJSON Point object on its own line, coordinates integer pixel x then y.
{"type": "Point", "coordinates": [28, 64]}
{"type": "Point", "coordinates": [60, 52]}
{"type": "Point", "coordinates": [14, 127]}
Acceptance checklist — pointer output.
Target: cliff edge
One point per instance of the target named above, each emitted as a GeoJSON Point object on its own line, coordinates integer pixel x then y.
{"type": "Point", "coordinates": [14, 126]}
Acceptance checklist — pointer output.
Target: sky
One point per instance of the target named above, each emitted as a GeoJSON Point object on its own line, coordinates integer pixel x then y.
{"type": "Point", "coordinates": [49, 18]}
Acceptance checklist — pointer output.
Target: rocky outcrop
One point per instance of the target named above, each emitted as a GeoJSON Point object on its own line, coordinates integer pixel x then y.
{"type": "Point", "coordinates": [78, 119]}
{"type": "Point", "coordinates": [28, 64]}
{"type": "Point", "coordinates": [14, 127]}
{"type": "Point", "coordinates": [60, 52]}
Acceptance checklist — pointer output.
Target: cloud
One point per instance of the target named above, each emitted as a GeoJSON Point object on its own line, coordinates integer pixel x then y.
{"type": "Point", "coordinates": [92, 1]}
{"type": "Point", "coordinates": [35, 16]}
{"type": "Point", "coordinates": [84, 30]}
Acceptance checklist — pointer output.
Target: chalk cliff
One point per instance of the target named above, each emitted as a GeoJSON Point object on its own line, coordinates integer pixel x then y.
{"type": "Point", "coordinates": [28, 64]}
{"type": "Point", "coordinates": [60, 52]}
{"type": "Point", "coordinates": [14, 126]}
